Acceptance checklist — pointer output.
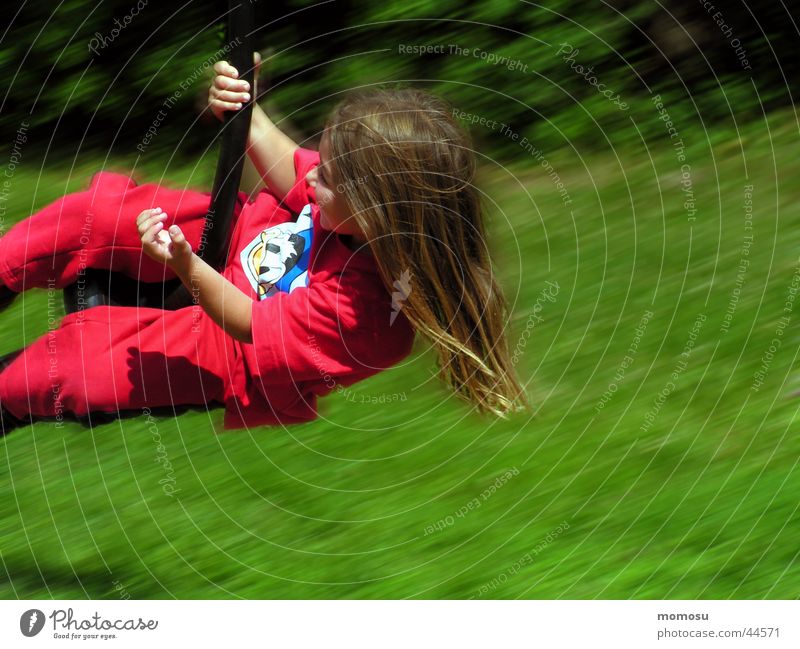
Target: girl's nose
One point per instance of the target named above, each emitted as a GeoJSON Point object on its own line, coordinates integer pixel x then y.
{"type": "Point", "coordinates": [311, 177]}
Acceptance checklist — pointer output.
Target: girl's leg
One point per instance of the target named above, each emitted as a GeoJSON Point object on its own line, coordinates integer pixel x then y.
{"type": "Point", "coordinates": [108, 359]}
{"type": "Point", "coordinates": [95, 228]}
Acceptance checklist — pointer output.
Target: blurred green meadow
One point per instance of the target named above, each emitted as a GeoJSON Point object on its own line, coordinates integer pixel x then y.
{"type": "Point", "coordinates": [655, 464]}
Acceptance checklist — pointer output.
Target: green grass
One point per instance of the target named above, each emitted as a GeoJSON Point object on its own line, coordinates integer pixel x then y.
{"type": "Point", "coordinates": [700, 504]}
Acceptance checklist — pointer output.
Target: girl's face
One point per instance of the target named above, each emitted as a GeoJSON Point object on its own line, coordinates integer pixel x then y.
{"type": "Point", "coordinates": [333, 209]}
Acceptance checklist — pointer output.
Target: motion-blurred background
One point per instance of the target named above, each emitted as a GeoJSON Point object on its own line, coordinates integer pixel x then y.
{"type": "Point", "coordinates": [640, 165]}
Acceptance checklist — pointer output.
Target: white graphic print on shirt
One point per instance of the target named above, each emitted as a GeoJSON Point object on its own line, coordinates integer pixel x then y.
{"type": "Point", "coordinates": [277, 259]}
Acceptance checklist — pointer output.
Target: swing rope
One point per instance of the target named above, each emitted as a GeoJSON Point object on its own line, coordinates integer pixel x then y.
{"type": "Point", "coordinates": [216, 234]}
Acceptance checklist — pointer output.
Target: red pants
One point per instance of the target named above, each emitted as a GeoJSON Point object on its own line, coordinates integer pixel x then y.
{"type": "Point", "coordinates": [107, 359]}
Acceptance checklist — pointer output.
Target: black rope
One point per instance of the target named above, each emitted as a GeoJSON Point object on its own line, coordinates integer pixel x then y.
{"type": "Point", "coordinates": [215, 240]}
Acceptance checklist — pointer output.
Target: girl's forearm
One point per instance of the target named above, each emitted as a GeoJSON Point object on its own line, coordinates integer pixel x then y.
{"type": "Point", "coordinates": [272, 152]}
{"type": "Point", "coordinates": [225, 304]}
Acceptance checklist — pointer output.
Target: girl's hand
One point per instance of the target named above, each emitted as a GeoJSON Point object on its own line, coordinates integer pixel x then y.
{"type": "Point", "coordinates": [227, 91]}
{"type": "Point", "coordinates": [169, 247]}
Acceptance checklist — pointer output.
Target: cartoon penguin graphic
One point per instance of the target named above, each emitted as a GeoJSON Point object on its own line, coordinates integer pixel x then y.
{"type": "Point", "coordinates": [277, 259]}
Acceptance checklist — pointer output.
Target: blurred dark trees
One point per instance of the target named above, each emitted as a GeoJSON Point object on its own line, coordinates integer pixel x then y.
{"type": "Point", "coordinates": [108, 97]}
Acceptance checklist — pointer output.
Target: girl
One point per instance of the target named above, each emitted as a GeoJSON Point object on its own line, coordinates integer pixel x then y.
{"type": "Point", "coordinates": [331, 271]}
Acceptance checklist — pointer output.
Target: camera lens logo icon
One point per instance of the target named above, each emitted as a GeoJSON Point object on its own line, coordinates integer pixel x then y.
{"type": "Point", "coordinates": [31, 622]}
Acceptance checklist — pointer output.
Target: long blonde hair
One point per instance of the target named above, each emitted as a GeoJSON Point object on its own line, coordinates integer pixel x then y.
{"type": "Point", "coordinates": [406, 170]}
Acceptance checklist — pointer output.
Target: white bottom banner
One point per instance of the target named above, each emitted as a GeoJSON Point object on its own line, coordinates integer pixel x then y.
{"type": "Point", "coordinates": [373, 624]}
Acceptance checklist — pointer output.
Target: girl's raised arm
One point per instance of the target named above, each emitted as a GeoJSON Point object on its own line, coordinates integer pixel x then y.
{"type": "Point", "coordinates": [271, 150]}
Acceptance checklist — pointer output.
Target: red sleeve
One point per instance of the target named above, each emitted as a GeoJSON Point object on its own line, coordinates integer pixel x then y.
{"type": "Point", "coordinates": [301, 193]}
{"type": "Point", "coordinates": [311, 334]}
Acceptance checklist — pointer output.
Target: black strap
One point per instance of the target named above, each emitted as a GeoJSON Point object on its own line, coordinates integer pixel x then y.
{"type": "Point", "coordinates": [216, 234]}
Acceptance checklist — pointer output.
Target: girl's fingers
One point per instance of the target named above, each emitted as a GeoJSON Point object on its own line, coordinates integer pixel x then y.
{"type": "Point", "coordinates": [223, 67]}
{"type": "Point", "coordinates": [149, 221]}
{"type": "Point", "coordinates": [231, 97]}
{"type": "Point", "coordinates": [221, 82]}
{"type": "Point", "coordinates": [180, 244]}
{"type": "Point", "coordinates": [146, 214]}
{"type": "Point", "coordinates": [256, 71]}
{"type": "Point", "coordinates": [225, 105]}
{"type": "Point", "coordinates": [176, 234]}
{"type": "Point", "coordinates": [150, 233]}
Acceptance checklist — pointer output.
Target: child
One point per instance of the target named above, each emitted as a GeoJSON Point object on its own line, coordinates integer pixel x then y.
{"type": "Point", "coordinates": [331, 272]}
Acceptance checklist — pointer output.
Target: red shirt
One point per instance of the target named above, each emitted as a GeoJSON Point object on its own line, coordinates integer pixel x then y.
{"type": "Point", "coordinates": [321, 314]}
